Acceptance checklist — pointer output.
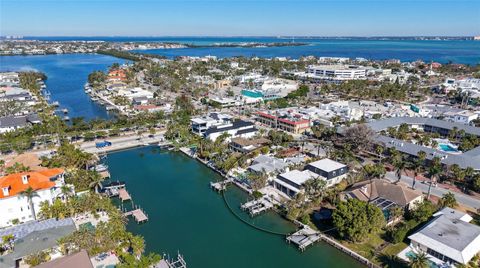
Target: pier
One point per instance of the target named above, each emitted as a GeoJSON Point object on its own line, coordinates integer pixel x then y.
{"type": "Point", "coordinates": [220, 186]}
{"type": "Point", "coordinates": [255, 207]}
{"type": "Point", "coordinates": [304, 237]}
{"type": "Point", "coordinates": [167, 262]}
{"type": "Point", "coordinates": [138, 214]}
{"type": "Point", "coordinates": [124, 195]}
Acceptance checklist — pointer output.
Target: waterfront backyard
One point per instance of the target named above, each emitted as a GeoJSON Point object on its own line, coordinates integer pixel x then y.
{"type": "Point", "coordinates": [186, 215]}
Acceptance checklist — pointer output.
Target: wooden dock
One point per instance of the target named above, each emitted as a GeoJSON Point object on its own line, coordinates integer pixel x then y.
{"type": "Point", "coordinates": [137, 214]}
{"type": "Point", "coordinates": [304, 237]}
{"type": "Point", "coordinates": [255, 207]}
{"type": "Point", "coordinates": [220, 186]}
{"type": "Point", "coordinates": [124, 195]}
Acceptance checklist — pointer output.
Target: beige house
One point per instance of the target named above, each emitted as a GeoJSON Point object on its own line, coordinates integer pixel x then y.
{"type": "Point", "coordinates": [385, 195]}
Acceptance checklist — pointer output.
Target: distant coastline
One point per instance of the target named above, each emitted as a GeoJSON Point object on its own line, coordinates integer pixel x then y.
{"type": "Point", "coordinates": [150, 38]}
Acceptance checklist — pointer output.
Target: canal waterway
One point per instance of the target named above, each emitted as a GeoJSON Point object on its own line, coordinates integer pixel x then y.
{"type": "Point", "coordinates": [186, 215]}
{"type": "Point", "coordinates": [67, 75]}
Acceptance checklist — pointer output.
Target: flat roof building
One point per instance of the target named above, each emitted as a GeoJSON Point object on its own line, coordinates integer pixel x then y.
{"type": "Point", "coordinates": [448, 238]}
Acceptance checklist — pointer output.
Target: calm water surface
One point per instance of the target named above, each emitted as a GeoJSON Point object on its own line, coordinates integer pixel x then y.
{"type": "Point", "coordinates": [186, 215]}
{"type": "Point", "coordinates": [467, 51]}
{"type": "Point", "coordinates": [67, 75]}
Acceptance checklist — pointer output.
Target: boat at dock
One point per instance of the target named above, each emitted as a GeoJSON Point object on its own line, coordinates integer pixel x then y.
{"type": "Point", "coordinates": [66, 118]}
{"type": "Point", "coordinates": [100, 167]}
{"type": "Point", "coordinates": [55, 103]}
{"type": "Point", "coordinates": [65, 110]}
{"type": "Point", "coordinates": [258, 206]}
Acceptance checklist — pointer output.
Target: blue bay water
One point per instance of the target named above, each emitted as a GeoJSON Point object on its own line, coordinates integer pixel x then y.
{"type": "Point", "coordinates": [67, 75]}
{"type": "Point", "coordinates": [466, 52]}
{"type": "Point", "coordinates": [457, 51]}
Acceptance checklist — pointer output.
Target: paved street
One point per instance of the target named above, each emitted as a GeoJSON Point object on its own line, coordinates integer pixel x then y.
{"type": "Point", "coordinates": [123, 142]}
{"type": "Point", "coordinates": [463, 199]}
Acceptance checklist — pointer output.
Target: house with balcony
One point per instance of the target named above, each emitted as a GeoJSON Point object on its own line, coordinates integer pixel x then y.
{"type": "Point", "coordinates": [15, 206]}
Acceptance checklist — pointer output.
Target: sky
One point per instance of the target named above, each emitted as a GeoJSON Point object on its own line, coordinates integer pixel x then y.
{"type": "Point", "coordinates": [239, 18]}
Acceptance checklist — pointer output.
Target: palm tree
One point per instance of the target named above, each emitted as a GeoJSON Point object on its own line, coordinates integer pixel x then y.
{"type": "Point", "coordinates": [400, 166]}
{"type": "Point", "coordinates": [66, 192]}
{"type": "Point", "coordinates": [434, 170]}
{"type": "Point", "coordinates": [96, 181]}
{"type": "Point", "coordinates": [419, 260]}
{"type": "Point", "coordinates": [314, 187]}
{"type": "Point", "coordinates": [30, 193]}
{"type": "Point", "coordinates": [418, 165]}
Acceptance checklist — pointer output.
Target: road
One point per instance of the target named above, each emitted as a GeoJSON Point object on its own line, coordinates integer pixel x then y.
{"type": "Point", "coordinates": [122, 142]}
{"type": "Point", "coordinates": [463, 199]}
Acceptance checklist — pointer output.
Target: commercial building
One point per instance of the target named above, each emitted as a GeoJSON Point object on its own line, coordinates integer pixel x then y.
{"type": "Point", "coordinates": [336, 72]}
{"type": "Point", "coordinates": [14, 206]}
{"type": "Point", "coordinates": [284, 120]}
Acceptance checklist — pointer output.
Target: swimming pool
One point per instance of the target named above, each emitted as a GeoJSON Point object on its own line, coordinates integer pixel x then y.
{"type": "Point", "coordinates": [447, 147]}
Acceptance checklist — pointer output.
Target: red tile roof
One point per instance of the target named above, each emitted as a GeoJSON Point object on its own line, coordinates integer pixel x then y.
{"type": "Point", "coordinates": [39, 180]}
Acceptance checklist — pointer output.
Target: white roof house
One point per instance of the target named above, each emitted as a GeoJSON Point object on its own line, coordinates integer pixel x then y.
{"type": "Point", "coordinates": [448, 238]}
{"type": "Point", "coordinates": [327, 165]}
{"type": "Point", "coordinates": [291, 182]}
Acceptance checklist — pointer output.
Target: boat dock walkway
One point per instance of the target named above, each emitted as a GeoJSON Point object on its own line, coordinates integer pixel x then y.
{"type": "Point", "coordinates": [124, 195]}
{"type": "Point", "coordinates": [220, 186]}
{"type": "Point", "coordinates": [255, 207]}
{"type": "Point", "coordinates": [304, 237]}
{"type": "Point", "coordinates": [167, 262]}
{"type": "Point", "coordinates": [138, 214]}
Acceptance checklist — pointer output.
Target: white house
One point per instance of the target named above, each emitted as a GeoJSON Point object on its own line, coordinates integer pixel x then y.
{"type": "Point", "coordinates": [201, 124]}
{"type": "Point", "coordinates": [15, 206]}
{"type": "Point", "coordinates": [234, 129]}
{"type": "Point", "coordinates": [462, 117]}
{"type": "Point", "coordinates": [448, 238]}
{"type": "Point", "coordinates": [291, 182]}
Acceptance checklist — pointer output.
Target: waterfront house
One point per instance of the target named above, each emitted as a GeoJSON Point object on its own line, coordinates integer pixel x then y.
{"type": "Point", "coordinates": [385, 195]}
{"type": "Point", "coordinates": [331, 170]}
{"type": "Point", "coordinates": [16, 207]}
{"type": "Point", "coordinates": [243, 145]}
{"type": "Point", "coordinates": [268, 165]}
{"type": "Point", "coordinates": [12, 123]}
{"type": "Point", "coordinates": [34, 237]}
{"type": "Point", "coordinates": [378, 191]}
{"type": "Point", "coordinates": [448, 238]}
{"type": "Point", "coordinates": [291, 182]}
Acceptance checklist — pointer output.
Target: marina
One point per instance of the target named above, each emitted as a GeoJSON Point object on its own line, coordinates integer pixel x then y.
{"type": "Point", "coordinates": [169, 193]}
